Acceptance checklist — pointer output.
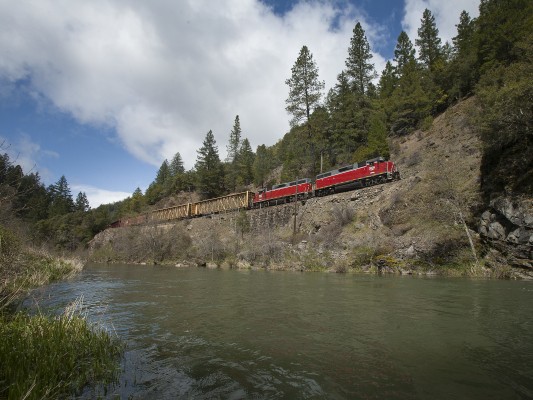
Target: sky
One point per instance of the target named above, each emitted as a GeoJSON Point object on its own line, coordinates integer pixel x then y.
{"type": "Point", "coordinates": [103, 91]}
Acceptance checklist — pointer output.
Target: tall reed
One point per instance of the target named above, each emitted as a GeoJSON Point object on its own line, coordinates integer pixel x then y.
{"type": "Point", "coordinates": [46, 357]}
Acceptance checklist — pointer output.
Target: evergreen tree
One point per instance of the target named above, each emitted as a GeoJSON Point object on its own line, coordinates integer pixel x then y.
{"type": "Point", "coordinates": [163, 174]}
{"type": "Point", "coordinates": [428, 42]}
{"type": "Point", "coordinates": [462, 42]}
{"type": "Point", "coordinates": [342, 105]}
{"type": "Point", "coordinates": [245, 163]}
{"type": "Point", "coordinates": [506, 95]}
{"type": "Point", "coordinates": [209, 170]}
{"type": "Point", "coordinates": [32, 200]}
{"type": "Point", "coordinates": [137, 201]}
{"type": "Point", "coordinates": [412, 100]}
{"type": "Point", "coordinates": [293, 154]}
{"type": "Point", "coordinates": [461, 73]}
{"type": "Point", "coordinates": [305, 89]}
{"type": "Point", "coordinates": [234, 142]}
{"type": "Point", "coordinates": [502, 24]}
{"type": "Point", "coordinates": [154, 193]}
{"type": "Point", "coordinates": [262, 165]}
{"type": "Point", "coordinates": [359, 69]}
{"type": "Point", "coordinates": [233, 147]}
{"type": "Point", "coordinates": [404, 53]}
{"type": "Point", "coordinates": [388, 81]}
{"type": "Point", "coordinates": [323, 142]}
{"type": "Point", "coordinates": [82, 204]}
{"type": "Point", "coordinates": [176, 165]}
{"type": "Point", "coordinates": [304, 96]}
{"type": "Point", "coordinates": [61, 198]}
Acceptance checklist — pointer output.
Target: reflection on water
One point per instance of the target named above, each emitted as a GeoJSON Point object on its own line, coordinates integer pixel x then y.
{"type": "Point", "coordinates": [203, 334]}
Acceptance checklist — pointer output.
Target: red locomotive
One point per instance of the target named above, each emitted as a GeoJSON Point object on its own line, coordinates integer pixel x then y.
{"type": "Point", "coordinates": [367, 173]}
{"type": "Point", "coordinates": [284, 193]}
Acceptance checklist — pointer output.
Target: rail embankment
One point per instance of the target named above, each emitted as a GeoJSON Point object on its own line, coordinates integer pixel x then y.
{"type": "Point", "coordinates": [429, 222]}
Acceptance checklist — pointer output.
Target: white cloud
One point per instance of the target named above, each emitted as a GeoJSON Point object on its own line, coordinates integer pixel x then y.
{"type": "Point", "coordinates": [98, 196]}
{"type": "Point", "coordinates": [163, 73]}
{"type": "Point", "coordinates": [446, 15]}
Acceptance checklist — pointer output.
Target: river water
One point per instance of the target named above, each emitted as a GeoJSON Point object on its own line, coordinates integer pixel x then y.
{"type": "Point", "coordinates": [196, 333]}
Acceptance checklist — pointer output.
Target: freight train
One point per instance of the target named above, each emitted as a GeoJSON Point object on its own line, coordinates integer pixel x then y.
{"type": "Point", "coordinates": [353, 176]}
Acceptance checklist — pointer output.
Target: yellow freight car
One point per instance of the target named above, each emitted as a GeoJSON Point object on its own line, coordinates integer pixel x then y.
{"type": "Point", "coordinates": [230, 202]}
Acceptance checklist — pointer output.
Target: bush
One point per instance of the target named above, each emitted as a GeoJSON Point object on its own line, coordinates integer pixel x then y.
{"type": "Point", "coordinates": [10, 247]}
{"type": "Point", "coordinates": [313, 261]}
{"type": "Point", "coordinates": [361, 256]}
{"type": "Point", "coordinates": [343, 214]}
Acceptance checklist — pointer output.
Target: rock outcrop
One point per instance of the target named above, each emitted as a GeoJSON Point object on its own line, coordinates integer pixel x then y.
{"type": "Point", "coordinates": [507, 225]}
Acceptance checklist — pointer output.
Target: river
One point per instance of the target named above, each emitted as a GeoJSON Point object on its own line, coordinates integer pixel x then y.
{"type": "Point", "coordinates": [197, 333]}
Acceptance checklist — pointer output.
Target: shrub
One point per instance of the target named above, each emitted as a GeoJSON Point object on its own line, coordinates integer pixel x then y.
{"type": "Point", "coordinates": [313, 261]}
{"type": "Point", "coordinates": [343, 214]}
{"type": "Point", "coordinates": [10, 246]}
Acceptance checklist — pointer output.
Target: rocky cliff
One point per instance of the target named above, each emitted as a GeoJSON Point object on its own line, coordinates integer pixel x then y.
{"type": "Point", "coordinates": [506, 226]}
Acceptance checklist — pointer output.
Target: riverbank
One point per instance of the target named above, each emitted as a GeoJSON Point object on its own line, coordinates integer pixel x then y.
{"type": "Point", "coordinates": [46, 356]}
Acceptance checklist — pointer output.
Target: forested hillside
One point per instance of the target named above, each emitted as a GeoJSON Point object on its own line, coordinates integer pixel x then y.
{"type": "Point", "coordinates": [491, 58]}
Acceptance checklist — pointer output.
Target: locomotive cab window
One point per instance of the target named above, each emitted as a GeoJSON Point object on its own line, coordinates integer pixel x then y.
{"type": "Point", "coordinates": [324, 175]}
{"type": "Point", "coordinates": [347, 168]}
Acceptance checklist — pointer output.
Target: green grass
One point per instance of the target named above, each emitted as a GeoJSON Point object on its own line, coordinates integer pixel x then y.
{"type": "Point", "coordinates": [53, 357]}
{"type": "Point", "coordinates": [44, 357]}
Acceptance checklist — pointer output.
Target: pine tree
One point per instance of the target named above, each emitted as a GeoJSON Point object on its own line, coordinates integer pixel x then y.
{"type": "Point", "coordinates": [232, 161]}
{"type": "Point", "coordinates": [245, 163]}
{"type": "Point", "coordinates": [388, 81]}
{"type": "Point", "coordinates": [323, 142]}
{"type": "Point", "coordinates": [359, 69]}
{"type": "Point", "coordinates": [505, 60]}
{"type": "Point", "coordinates": [234, 141]}
{"type": "Point", "coordinates": [502, 24]}
{"type": "Point", "coordinates": [465, 31]}
{"type": "Point", "coordinates": [342, 106]}
{"type": "Point", "coordinates": [61, 198]}
{"type": "Point", "coordinates": [413, 99]}
{"type": "Point", "coordinates": [137, 201]}
{"type": "Point", "coordinates": [305, 89]}
{"type": "Point", "coordinates": [163, 174]}
{"type": "Point", "coordinates": [209, 170]}
{"type": "Point", "coordinates": [82, 204]}
{"type": "Point", "coordinates": [176, 165]}
{"type": "Point", "coordinates": [428, 42]}
{"type": "Point", "coordinates": [304, 97]}
{"type": "Point", "coordinates": [262, 164]}
{"type": "Point", "coordinates": [404, 53]}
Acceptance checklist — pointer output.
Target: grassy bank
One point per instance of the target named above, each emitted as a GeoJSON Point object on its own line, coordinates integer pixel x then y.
{"type": "Point", "coordinates": [46, 357]}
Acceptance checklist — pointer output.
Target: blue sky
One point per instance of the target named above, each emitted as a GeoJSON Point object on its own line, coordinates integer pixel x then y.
{"type": "Point", "coordinates": [103, 91]}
